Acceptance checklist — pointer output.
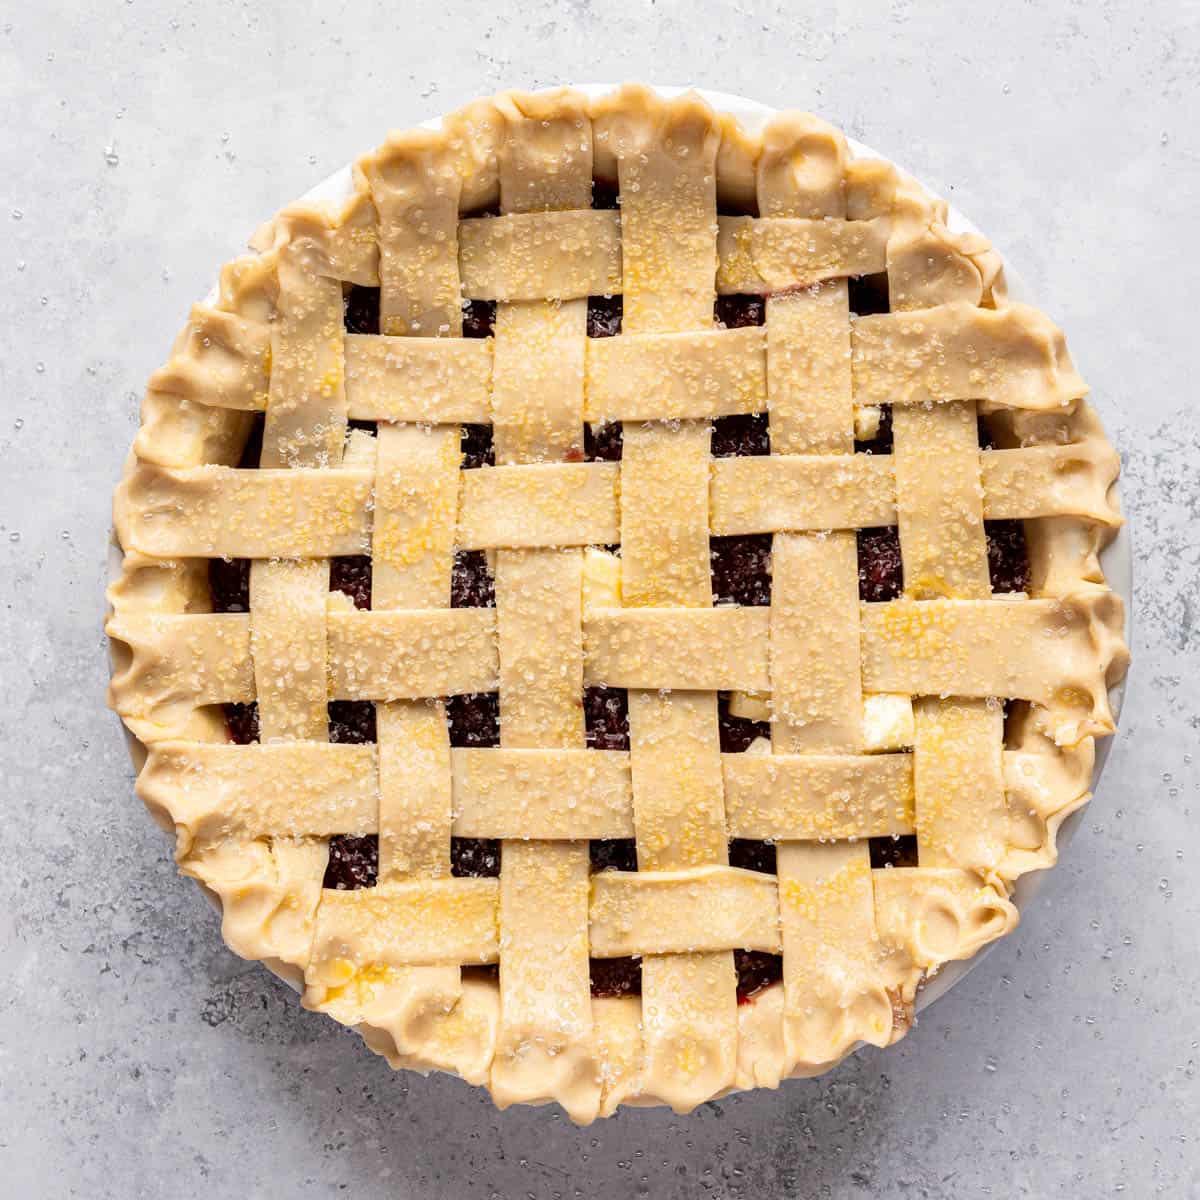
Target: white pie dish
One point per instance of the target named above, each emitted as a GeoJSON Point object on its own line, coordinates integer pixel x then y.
{"type": "Point", "coordinates": [1116, 558]}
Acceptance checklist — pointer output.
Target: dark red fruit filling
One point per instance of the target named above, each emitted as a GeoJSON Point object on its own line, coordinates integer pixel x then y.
{"type": "Point", "coordinates": [479, 318]}
{"type": "Point", "coordinates": [737, 733]}
{"type": "Point", "coordinates": [606, 718]}
{"type": "Point", "coordinates": [986, 441]}
{"type": "Point", "coordinates": [880, 573]}
{"type": "Point", "coordinates": [361, 308]}
{"type": "Point", "coordinates": [604, 194]}
{"type": "Point", "coordinates": [353, 862]}
{"type": "Point", "coordinates": [616, 976]}
{"type": "Point", "coordinates": [752, 856]}
{"type": "Point", "coordinates": [893, 852]}
{"type": "Point", "coordinates": [882, 442]}
{"type": "Point", "coordinates": [741, 569]}
{"type": "Point", "coordinates": [477, 447]}
{"type": "Point", "coordinates": [242, 722]}
{"type": "Point", "coordinates": [613, 854]}
{"type": "Point", "coordinates": [229, 582]}
{"type": "Point", "coordinates": [604, 316]}
{"type": "Point", "coordinates": [252, 450]}
{"type": "Point", "coordinates": [352, 575]}
{"type": "Point", "coordinates": [738, 311]}
{"type": "Point", "coordinates": [1008, 556]}
{"type": "Point", "coordinates": [474, 719]}
{"type": "Point", "coordinates": [603, 443]}
{"type": "Point", "coordinates": [869, 294]}
{"type": "Point", "coordinates": [352, 722]}
{"type": "Point", "coordinates": [741, 436]}
{"type": "Point", "coordinates": [471, 583]}
{"type": "Point", "coordinates": [474, 858]}
{"type": "Point", "coordinates": [755, 971]}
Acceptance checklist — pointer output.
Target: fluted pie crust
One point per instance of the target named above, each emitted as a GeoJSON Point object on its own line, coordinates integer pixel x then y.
{"type": "Point", "coordinates": [984, 797]}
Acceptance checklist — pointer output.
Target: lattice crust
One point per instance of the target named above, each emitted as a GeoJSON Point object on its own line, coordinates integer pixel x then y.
{"type": "Point", "coordinates": [922, 677]}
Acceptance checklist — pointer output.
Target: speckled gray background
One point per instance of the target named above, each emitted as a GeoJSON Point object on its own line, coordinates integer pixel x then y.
{"type": "Point", "coordinates": [142, 142]}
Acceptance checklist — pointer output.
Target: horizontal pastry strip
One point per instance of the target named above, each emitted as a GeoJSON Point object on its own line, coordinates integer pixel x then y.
{"type": "Point", "coordinates": [437, 380]}
{"type": "Point", "coordinates": [401, 655]}
{"type": "Point", "coordinates": [676, 376]}
{"type": "Point", "coordinates": [696, 649]}
{"type": "Point", "coordinates": [1013, 357]}
{"type": "Point", "coordinates": [541, 504]}
{"type": "Point", "coordinates": [677, 912]}
{"type": "Point", "coordinates": [771, 254]}
{"type": "Point", "coordinates": [793, 492]}
{"type": "Point", "coordinates": [211, 511]}
{"type": "Point", "coordinates": [567, 255]}
{"type": "Point", "coordinates": [1052, 651]}
{"type": "Point", "coordinates": [213, 791]}
{"type": "Point", "coordinates": [541, 255]}
{"type": "Point", "coordinates": [711, 908]}
{"type": "Point", "coordinates": [409, 923]}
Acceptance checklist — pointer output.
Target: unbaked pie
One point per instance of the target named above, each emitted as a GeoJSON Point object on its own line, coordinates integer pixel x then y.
{"type": "Point", "coordinates": [614, 606]}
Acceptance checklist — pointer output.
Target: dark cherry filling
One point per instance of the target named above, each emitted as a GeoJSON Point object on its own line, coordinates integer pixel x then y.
{"type": "Point", "coordinates": [352, 575]}
{"type": "Point", "coordinates": [471, 583]}
{"type": "Point", "coordinates": [756, 970]}
{"type": "Point", "coordinates": [252, 450]}
{"type": "Point", "coordinates": [478, 318]}
{"type": "Point", "coordinates": [613, 854]}
{"type": "Point", "coordinates": [737, 206]}
{"type": "Point", "coordinates": [605, 194]}
{"type": "Point", "coordinates": [604, 316]}
{"type": "Point", "coordinates": [882, 442]}
{"type": "Point", "coordinates": [893, 852]}
{"type": "Point", "coordinates": [616, 976]}
{"type": "Point", "coordinates": [739, 311]}
{"type": "Point", "coordinates": [880, 573]}
{"type": "Point", "coordinates": [752, 856]}
{"type": "Point", "coordinates": [986, 440]}
{"type": "Point", "coordinates": [606, 719]}
{"type": "Point", "coordinates": [741, 436]}
{"type": "Point", "coordinates": [242, 722]}
{"type": "Point", "coordinates": [741, 569]}
{"type": "Point", "coordinates": [361, 308]}
{"type": "Point", "coordinates": [869, 294]}
{"type": "Point", "coordinates": [229, 582]}
{"type": "Point", "coordinates": [353, 862]}
{"type": "Point", "coordinates": [474, 719]}
{"type": "Point", "coordinates": [1008, 556]}
{"type": "Point", "coordinates": [603, 443]}
{"type": "Point", "coordinates": [352, 722]}
{"type": "Point", "coordinates": [477, 447]}
{"type": "Point", "coordinates": [736, 733]}
{"type": "Point", "coordinates": [474, 858]}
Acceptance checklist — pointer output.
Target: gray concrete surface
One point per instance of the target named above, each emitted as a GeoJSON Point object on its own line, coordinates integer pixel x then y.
{"type": "Point", "coordinates": [138, 1057]}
